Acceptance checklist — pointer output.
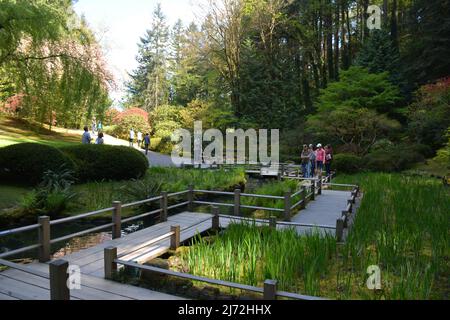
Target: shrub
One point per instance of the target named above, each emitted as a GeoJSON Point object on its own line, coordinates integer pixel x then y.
{"type": "Point", "coordinates": [347, 163]}
{"type": "Point", "coordinates": [393, 160]}
{"type": "Point", "coordinates": [135, 122]}
{"type": "Point", "coordinates": [26, 163]}
{"type": "Point", "coordinates": [104, 162]}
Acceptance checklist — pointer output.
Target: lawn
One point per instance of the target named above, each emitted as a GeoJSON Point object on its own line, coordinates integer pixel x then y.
{"type": "Point", "coordinates": [14, 131]}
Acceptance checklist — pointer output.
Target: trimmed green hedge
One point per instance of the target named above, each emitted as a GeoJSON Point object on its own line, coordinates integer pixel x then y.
{"type": "Point", "coordinates": [26, 163]}
{"type": "Point", "coordinates": [104, 162]}
{"type": "Point", "coordinates": [347, 163]}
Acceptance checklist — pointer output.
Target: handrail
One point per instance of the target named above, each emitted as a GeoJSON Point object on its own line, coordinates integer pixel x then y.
{"type": "Point", "coordinates": [80, 216]}
{"type": "Point", "coordinates": [81, 233]}
{"type": "Point", "coordinates": [191, 277]}
{"type": "Point", "coordinates": [220, 204]}
{"type": "Point", "coordinates": [263, 196]}
{"type": "Point", "coordinates": [18, 251]}
{"type": "Point", "coordinates": [215, 192]}
{"type": "Point", "coordinates": [19, 230]}
{"type": "Point", "coordinates": [22, 268]}
{"type": "Point", "coordinates": [142, 216]}
{"type": "Point", "coordinates": [262, 208]}
{"type": "Point", "coordinates": [137, 203]}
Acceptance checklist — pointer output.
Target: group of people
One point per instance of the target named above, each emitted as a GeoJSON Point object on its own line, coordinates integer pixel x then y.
{"type": "Point", "coordinates": [87, 138]}
{"type": "Point", "coordinates": [315, 159]}
{"type": "Point", "coordinates": [141, 139]}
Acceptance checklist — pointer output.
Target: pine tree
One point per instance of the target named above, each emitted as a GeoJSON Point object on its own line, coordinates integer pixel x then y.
{"type": "Point", "coordinates": [149, 84]}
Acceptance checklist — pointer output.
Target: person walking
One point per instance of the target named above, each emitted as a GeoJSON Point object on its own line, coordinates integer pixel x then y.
{"type": "Point", "coordinates": [328, 159]}
{"type": "Point", "coordinates": [86, 138]}
{"type": "Point", "coordinates": [320, 158]}
{"type": "Point", "coordinates": [147, 143]}
{"type": "Point", "coordinates": [132, 136]}
{"type": "Point", "coordinates": [94, 126]}
{"type": "Point", "coordinates": [100, 139]}
{"type": "Point", "coordinates": [305, 157]}
{"type": "Point", "coordinates": [139, 139]}
{"type": "Point", "coordinates": [312, 161]}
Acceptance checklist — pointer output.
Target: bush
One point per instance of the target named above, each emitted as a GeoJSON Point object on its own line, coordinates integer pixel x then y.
{"type": "Point", "coordinates": [26, 163]}
{"type": "Point", "coordinates": [104, 162]}
{"type": "Point", "coordinates": [125, 124]}
{"type": "Point", "coordinates": [393, 160]}
{"type": "Point", "coordinates": [347, 163]}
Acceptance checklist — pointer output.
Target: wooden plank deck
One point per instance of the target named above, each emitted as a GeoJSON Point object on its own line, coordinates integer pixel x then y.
{"type": "Point", "coordinates": [19, 285]}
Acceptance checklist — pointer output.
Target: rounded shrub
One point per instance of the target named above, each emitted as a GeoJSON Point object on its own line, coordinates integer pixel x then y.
{"type": "Point", "coordinates": [26, 163]}
{"type": "Point", "coordinates": [104, 162]}
{"type": "Point", "coordinates": [392, 160]}
{"type": "Point", "coordinates": [347, 163]}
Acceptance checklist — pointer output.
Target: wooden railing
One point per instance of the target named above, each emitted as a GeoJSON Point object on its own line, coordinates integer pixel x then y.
{"type": "Point", "coordinates": [44, 225]}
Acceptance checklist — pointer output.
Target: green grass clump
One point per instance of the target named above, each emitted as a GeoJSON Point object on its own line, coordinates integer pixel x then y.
{"type": "Point", "coordinates": [248, 254]}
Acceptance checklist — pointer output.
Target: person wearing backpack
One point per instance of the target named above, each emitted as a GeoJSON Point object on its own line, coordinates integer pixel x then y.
{"type": "Point", "coordinates": [328, 159]}
{"type": "Point", "coordinates": [305, 157]}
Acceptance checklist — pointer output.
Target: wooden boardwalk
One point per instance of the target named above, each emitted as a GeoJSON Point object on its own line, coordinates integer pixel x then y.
{"type": "Point", "coordinates": [141, 247]}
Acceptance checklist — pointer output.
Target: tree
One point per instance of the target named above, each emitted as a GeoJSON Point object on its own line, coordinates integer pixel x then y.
{"type": "Point", "coordinates": [358, 88]}
{"type": "Point", "coordinates": [148, 86]}
{"type": "Point", "coordinates": [356, 129]}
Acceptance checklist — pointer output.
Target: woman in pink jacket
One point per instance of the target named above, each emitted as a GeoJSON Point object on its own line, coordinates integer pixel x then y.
{"type": "Point", "coordinates": [320, 158]}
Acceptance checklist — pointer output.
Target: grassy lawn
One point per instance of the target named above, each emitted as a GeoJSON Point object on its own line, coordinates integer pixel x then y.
{"type": "Point", "coordinates": [14, 131]}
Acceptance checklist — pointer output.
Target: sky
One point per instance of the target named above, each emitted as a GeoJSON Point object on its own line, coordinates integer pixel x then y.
{"type": "Point", "coordinates": [119, 24]}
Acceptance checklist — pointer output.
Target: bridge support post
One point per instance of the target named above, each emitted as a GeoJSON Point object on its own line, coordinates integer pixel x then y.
{"type": "Point", "coordinates": [287, 206]}
{"type": "Point", "coordinates": [313, 190]}
{"type": "Point", "coordinates": [175, 238]}
{"type": "Point", "coordinates": [270, 289]}
{"type": "Point", "coordinates": [319, 187]}
{"type": "Point", "coordinates": [117, 220]}
{"type": "Point", "coordinates": [339, 230]}
{"type": "Point", "coordinates": [191, 198]}
{"type": "Point", "coordinates": [350, 205]}
{"type": "Point", "coordinates": [215, 218]}
{"type": "Point", "coordinates": [237, 202]}
{"type": "Point", "coordinates": [59, 289]}
{"type": "Point", "coordinates": [110, 256]}
{"type": "Point", "coordinates": [273, 222]}
{"type": "Point", "coordinates": [44, 239]}
{"type": "Point", "coordinates": [164, 205]}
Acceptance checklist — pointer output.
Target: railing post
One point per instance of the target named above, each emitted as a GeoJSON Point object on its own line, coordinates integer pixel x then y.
{"type": "Point", "coordinates": [237, 202]}
{"type": "Point", "coordinates": [339, 230]}
{"type": "Point", "coordinates": [59, 289]}
{"type": "Point", "coordinates": [319, 187]}
{"type": "Point", "coordinates": [273, 222]}
{"type": "Point", "coordinates": [164, 205]}
{"type": "Point", "coordinates": [175, 238]}
{"type": "Point", "coordinates": [287, 206]}
{"type": "Point", "coordinates": [44, 239]}
{"type": "Point", "coordinates": [270, 290]}
{"type": "Point", "coordinates": [304, 197]}
{"type": "Point", "coordinates": [117, 220]}
{"type": "Point", "coordinates": [345, 215]}
{"type": "Point", "coordinates": [110, 256]}
{"type": "Point", "coordinates": [313, 190]}
{"type": "Point", "coordinates": [215, 218]}
{"type": "Point", "coordinates": [350, 204]}
{"type": "Point", "coordinates": [191, 198]}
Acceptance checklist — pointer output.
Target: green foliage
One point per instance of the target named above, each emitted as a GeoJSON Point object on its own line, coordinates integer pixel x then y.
{"type": "Point", "coordinates": [27, 162]}
{"type": "Point", "coordinates": [53, 195]}
{"type": "Point", "coordinates": [356, 129]}
{"type": "Point", "coordinates": [358, 88]}
{"type": "Point", "coordinates": [429, 114]}
{"type": "Point", "coordinates": [393, 159]}
{"type": "Point", "coordinates": [347, 163]}
{"type": "Point", "coordinates": [104, 162]}
{"type": "Point", "coordinates": [248, 254]}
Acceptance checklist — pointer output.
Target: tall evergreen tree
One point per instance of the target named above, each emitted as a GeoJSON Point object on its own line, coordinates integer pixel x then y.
{"type": "Point", "coordinates": [149, 84]}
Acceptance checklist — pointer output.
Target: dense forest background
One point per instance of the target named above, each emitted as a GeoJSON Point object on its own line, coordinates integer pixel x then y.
{"type": "Point", "coordinates": [310, 68]}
